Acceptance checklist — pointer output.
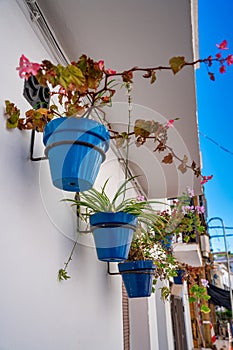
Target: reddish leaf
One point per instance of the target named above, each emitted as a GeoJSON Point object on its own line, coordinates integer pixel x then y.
{"type": "Point", "coordinates": [211, 75]}
{"type": "Point", "coordinates": [168, 159]}
{"type": "Point", "coordinates": [161, 147]}
{"type": "Point", "coordinates": [127, 76]}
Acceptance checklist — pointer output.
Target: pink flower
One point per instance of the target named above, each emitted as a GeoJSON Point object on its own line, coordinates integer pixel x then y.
{"type": "Point", "coordinates": [200, 209]}
{"type": "Point", "coordinates": [229, 60]}
{"type": "Point", "coordinates": [111, 71]}
{"type": "Point", "coordinates": [222, 69]}
{"type": "Point", "coordinates": [170, 123]}
{"type": "Point", "coordinates": [190, 192]}
{"type": "Point", "coordinates": [187, 208]}
{"type": "Point", "coordinates": [218, 55]}
{"type": "Point", "coordinates": [101, 64]}
{"type": "Point", "coordinates": [204, 282]}
{"type": "Point", "coordinates": [222, 45]}
{"type": "Point", "coordinates": [27, 68]}
{"type": "Point", "coordinates": [140, 198]}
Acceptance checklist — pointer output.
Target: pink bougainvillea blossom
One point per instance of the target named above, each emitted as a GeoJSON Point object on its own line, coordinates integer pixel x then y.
{"type": "Point", "coordinates": [230, 60]}
{"type": "Point", "coordinates": [101, 64]}
{"type": "Point", "coordinates": [27, 68]}
{"type": "Point", "coordinates": [222, 69]}
{"type": "Point", "coordinates": [222, 45]}
{"type": "Point", "coordinates": [206, 179]}
{"type": "Point", "coordinates": [170, 123]}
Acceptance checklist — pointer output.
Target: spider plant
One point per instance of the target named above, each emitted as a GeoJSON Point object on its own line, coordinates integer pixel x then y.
{"type": "Point", "coordinates": [94, 201]}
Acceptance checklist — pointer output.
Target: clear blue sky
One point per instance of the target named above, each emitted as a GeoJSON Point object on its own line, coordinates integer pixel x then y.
{"type": "Point", "coordinates": [215, 112]}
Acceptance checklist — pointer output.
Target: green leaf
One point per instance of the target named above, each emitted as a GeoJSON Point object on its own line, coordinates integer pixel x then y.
{"type": "Point", "coordinates": [144, 128]}
{"type": "Point", "coordinates": [153, 77]}
{"type": "Point", "coordinates": [13, 112]}
{"type": "Point", "coordinates": [165, 293]}
{"type": "Point", "coordinates": [192, 299]}
{"type": "Point", "coordinates": [177, 63]}
{"type": "Point", "coordinates": [205, 309]}
{"type": "Point", "coordinates": [62, 275]}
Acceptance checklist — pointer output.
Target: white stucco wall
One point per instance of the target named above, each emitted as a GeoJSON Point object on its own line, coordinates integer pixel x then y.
{"type": "Point", "coordinates": [143, 324]}
{"type": "Point", "coordinates": [164, 321]}
{"type": "Point", "coordinates": [187, 316]}
{"type": "Point", "coordinates": [38, 312]}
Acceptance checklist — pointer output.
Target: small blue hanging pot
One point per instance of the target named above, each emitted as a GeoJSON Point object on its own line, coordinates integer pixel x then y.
{"type": "Point", "coordinates": [179, 278]}
{"type": "Point", "coordinates": [75, 148]}
{"type": "Point", "coordinates": [138, 277]}
{"type": "Point", "coordinates": [113, 234]}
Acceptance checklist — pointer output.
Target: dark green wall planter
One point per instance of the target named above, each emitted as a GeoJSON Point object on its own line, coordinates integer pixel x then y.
{"type": "Point", "coordinates": [137, 277]}
{"type": "Point", "coordinates": [113, 234]}
{"type": "Point", "coordinates": [75, 148]}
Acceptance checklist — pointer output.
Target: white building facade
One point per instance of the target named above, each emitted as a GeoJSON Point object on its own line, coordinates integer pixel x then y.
{"type": "Point", "coordinates": [38, 229]}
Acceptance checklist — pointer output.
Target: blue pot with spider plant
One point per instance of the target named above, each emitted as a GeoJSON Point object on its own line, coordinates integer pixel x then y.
{"type": "Point", "coordinates": [75, 148]}
{"type": "Point", "coordinates": [113, 221]}
{"type": "Point", "coordinates": [113, 234]}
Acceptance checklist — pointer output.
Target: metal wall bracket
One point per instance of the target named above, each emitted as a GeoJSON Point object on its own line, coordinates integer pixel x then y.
{"type": "Point", "coordinates": [146, 271]}
{"type": "Point", "coordinates": [111, 273]}
{"type": "Point", "coordinates": [39, 97]}
{"type": "Point", "coordinates": [34, 159]}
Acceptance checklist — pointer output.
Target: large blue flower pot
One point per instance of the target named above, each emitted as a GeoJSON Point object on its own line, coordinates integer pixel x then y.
{"type": "Point", "coordinates": [137, 277]}
{"type": "Point", "coordinates": [179, 278]}
{"type": "Point", "coordinates": [113, 234]}
{"type": "Point", "coordinates": [75, 148]}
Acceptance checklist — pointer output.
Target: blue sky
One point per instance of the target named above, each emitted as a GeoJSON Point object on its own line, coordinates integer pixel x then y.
{"type": "Point", "coordinates": [215, 113]}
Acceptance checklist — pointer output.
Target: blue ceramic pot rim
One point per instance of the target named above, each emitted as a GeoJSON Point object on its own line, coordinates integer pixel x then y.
{"type": "Point", "coordinates": [141, 265]}
{"type": "Point", "coordinates": [180, 273]}
{"type": "Point", "coordinates": [109, 218]}
{"type": "Point", "coordinates": [88, 125]}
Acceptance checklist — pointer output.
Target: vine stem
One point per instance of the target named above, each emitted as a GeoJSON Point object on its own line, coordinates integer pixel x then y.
{"type": "Point", "coordinates": [169, 148]}
{"type": "Point", "coordinates": [129, 89]}
{"type": "Point", "coordinates": [70, 256]}
{"type": "Point", "coordinates": [158, 68]}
